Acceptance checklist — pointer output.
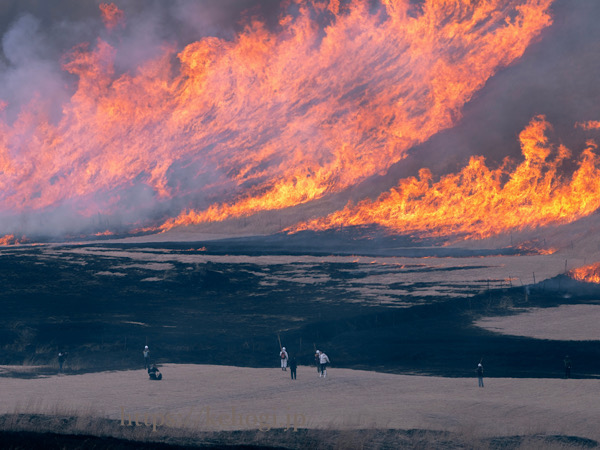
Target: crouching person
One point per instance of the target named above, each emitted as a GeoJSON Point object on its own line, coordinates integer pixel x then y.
{"type": "Point", "coordinates": [154, 373]}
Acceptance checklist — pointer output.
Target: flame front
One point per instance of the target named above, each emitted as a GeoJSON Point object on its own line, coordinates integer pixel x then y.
{"type": "Point", "coordinates": [268, 120]}
{"type": "Point", "coordinates": [587, 274]}
{"type": "Point", "coordinates": [10, 239]}
{"type": "Point", "coordinates": [479, 202]}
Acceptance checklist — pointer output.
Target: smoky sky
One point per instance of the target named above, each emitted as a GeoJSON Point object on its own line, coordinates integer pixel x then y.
{"type": "Point", "coordinates": [36, 34]}
{"type": "Point", "coordinates": [187, 19]}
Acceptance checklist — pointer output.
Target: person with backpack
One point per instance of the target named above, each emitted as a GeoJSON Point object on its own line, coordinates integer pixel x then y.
{"type": "Point", "coordinates": [323, 361]}
{"type": "Point", "coordinates": [284, 358]}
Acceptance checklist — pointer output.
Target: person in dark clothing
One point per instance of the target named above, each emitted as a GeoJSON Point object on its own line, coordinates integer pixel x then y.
{"type": "Point", "coordinates": [154, 373]}
{"type": "Point", "coordinates": [293, 366]}
{"type": "Point", "coordinates": [61, 360]}
{"type": "Point", "coordinates": [567, 362]}
{"type": "Point", "coordinates": [480, 374]}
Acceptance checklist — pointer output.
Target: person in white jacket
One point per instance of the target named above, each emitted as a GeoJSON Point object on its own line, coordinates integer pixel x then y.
{"type": "Point", "coordinates": [284, 358]}
{"type": "Point", "coordinates": [323, 360]}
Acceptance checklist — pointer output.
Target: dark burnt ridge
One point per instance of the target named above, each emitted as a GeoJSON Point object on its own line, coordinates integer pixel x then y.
{"type": "Point", "coordinates": [362, 240]}
{"type": "Point", "coordinates": [367, 240]}
{"type": "Point", "coordinates": [225, 313]}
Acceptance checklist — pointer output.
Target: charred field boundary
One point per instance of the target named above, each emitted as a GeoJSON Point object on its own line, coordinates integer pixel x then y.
{"type": "Point", "coordinates": [34, 431]}
{"type": "Point", "coordinates": [102, 305]}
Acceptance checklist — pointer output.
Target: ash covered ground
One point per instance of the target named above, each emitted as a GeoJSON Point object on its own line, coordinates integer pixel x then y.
{"type": "Point", "coordinates": [388, 307]}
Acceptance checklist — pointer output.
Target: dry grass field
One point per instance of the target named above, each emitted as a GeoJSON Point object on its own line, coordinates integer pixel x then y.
{"type": "Point", "coordinates": [194, 399]}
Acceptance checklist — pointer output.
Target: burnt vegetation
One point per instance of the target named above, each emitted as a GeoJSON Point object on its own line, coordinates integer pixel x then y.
{"type": "Point", "coordinates": [102, 308]}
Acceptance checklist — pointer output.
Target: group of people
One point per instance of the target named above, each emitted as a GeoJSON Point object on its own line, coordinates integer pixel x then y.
{"type": "Point", "coordinates": [287, 361]}
{"type": "Point", "coordinates": [321, 361]}
{"type": "Point", "coordinates": [153, 372]}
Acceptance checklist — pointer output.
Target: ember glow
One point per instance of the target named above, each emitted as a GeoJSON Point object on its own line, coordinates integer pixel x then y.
{"type": "Point", "coordinates": [9, 239]}
{"type": "Point", "coordinates": [587, 274]}
{"type": "Point", "coordinates": [479, 202]}
{"type": "Point", "coordinates": [269, 119]}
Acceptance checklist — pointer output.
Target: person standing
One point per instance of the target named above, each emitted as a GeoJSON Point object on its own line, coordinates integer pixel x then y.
{"type": "Point", "coordinates": [61, 360]}
{"type": "Point", "coordinates": [567, 362]}
{"type": "Point", "coordinates": [323, 361]}
{"type": "Point", "coordinates": [480, 374]}
{"type": "Point", "coordinates": [318, 361]}
{"type": "Point", "coordinates": [284, 358]}
{"type": "Point", "coordinates": [146, 354]}
{"type": "Point", "coordinates": [293, 366]}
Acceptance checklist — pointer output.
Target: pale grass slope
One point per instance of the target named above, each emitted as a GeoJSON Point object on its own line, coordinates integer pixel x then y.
{"type": "Point", "coordinates": [563, 323]}
{"type": "Point", "coordinates": [346, 399]}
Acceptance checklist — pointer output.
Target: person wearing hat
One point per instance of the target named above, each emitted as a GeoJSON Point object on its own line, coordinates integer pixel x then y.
{"type": "Point", "coordinates": [61, 360]}
{"type": "Point", "coordinates": [480, 374]}
{"type": "Point", "coordinates": [284, 358]}
{"type": "Point", "coordinates": [146, 357]}
{"type": "Point", "coordinates": [323, 361]}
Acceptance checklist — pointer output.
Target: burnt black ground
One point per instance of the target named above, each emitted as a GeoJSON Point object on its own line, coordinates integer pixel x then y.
{"type": "Point", "coordinates": [387, 439]}
{"type": "Point", "coordinates": [221, 313]}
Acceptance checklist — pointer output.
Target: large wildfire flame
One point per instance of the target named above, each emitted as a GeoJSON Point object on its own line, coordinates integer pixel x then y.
{"type": "Point", "coordinates": [587, 274]}
{"type": "Point", "coordinates": [268, 120]}
{"type": "Point", "coordinates": [479, 202]}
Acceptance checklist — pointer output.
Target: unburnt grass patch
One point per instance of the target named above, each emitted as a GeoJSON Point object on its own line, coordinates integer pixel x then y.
{"type": "Point", "coordinates": [33, 431]}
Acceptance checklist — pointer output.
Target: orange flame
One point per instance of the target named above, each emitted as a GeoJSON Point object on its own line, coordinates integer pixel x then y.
{"type": "Point", "coordinates": [589, 125]}
{"type": "Point", "coordinates": [477, 203]}
{"type": "Point", "coordinates": [587, 274]}
{"type": "Point", "coordinates": [9, 239]}
{"type": "Point", "coordinates": [104, 233]}
{"type": "Point", "coordinates": [269, 120]}
{"type": "Point", "coordinates": [111, 15]}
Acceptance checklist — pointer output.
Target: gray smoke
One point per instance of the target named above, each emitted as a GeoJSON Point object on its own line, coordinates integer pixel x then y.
{"type": "Point", "coordinates": [34, 38]}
